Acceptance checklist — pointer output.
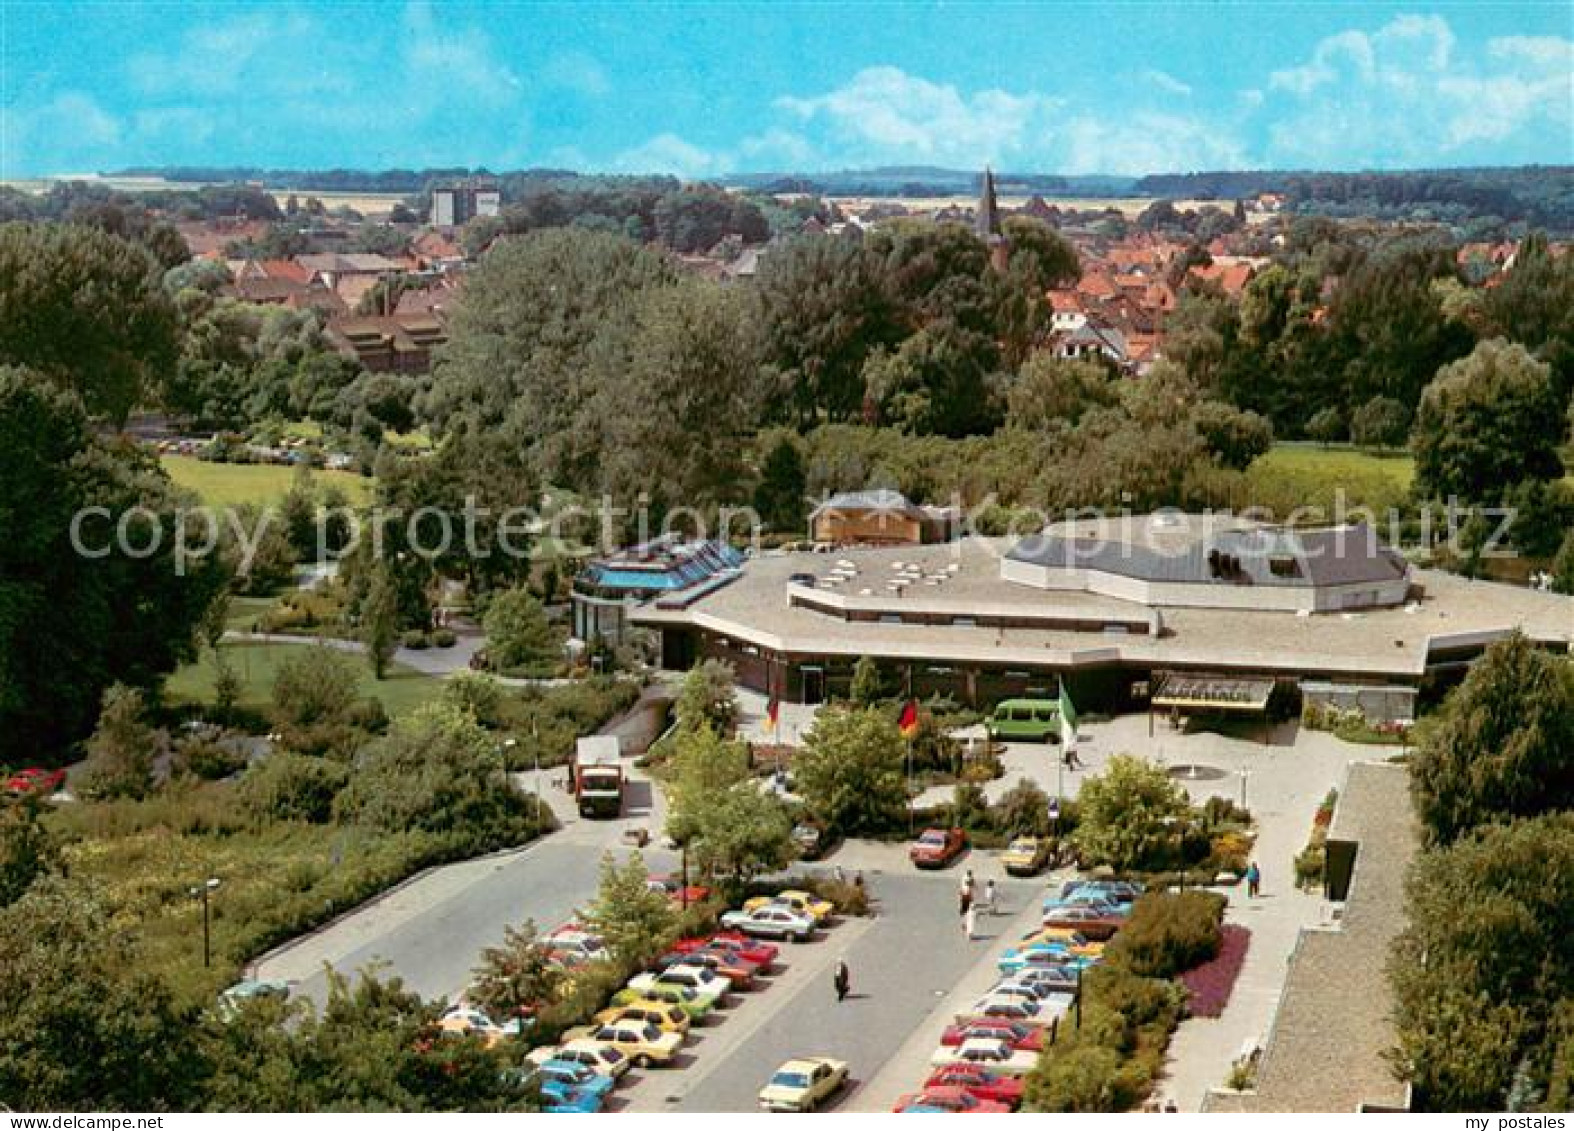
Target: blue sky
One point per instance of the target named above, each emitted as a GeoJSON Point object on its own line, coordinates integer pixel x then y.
{"type": "Point", "coordinates": [707, 89]}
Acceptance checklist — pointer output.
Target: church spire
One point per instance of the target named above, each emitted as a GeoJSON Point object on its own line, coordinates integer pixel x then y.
{"type": "Point", "coordinates": [987, 221]}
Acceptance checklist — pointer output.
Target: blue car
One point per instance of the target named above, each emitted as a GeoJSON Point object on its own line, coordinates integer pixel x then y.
{"type": "Point", "coordinates": [1042, 955]}
{"type": "Point", "coordinates": [572, 1089]}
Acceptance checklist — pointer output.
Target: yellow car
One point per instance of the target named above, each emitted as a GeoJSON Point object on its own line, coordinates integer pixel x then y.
{"type": "Point", "coordinates": [820, 910]}
{"type": "Point", "coordinates": [1025, 856]}
{"type": "Point", "coordinates": [803, 1084]}
{"type": "Point", "coordinates": [640, 1041]}
{"type": "Point", "coordinates": [662, 1014]}
{"type": "Point", "coordinates": [1076, 942]}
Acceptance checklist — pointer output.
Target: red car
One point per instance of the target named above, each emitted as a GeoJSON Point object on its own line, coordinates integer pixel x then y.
{"type": "Point", "coordinates": [35, 780]}
{"type": "Point", "coordinates": [673, 887]}
{"type": "Point", "coordinates": [1021, 1037]}
{"type": "Point", "coordinates": [762, 954]}
{"type": "Point", "coordinates": [955, 1101]}
{"type": "Point", "coordinates": [935, 848]}
{"type": "Point", "coordinates": [981, 1082]}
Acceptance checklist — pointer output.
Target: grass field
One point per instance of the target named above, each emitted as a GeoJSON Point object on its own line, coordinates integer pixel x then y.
{"type": "Point", "coordinates": [258, 665]}
{"type": "Point", "coordinates": [1309, 475]}
{"type": "Point", "coordinates": [231, 484]}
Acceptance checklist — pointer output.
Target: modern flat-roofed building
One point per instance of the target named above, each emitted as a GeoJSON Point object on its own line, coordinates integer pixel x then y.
{"type": "Point", "coordinates": [1177, 612]}
{"type": "Point", "coordinates": [665, 571]}
{"type": "Point", "coordinates": [454, 205]}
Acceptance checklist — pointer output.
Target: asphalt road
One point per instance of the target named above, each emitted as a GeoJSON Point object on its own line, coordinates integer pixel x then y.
{"type": "Point", "coordinates": [903, 962]}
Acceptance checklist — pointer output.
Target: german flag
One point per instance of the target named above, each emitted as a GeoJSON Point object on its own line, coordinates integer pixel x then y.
{"type": "Point", "coordinates": [773, 714]}
{"type": "Point", "coordinates": [908, 722]}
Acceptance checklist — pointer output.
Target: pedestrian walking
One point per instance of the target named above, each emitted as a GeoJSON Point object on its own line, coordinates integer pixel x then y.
{"type": "Point", "coordinates": [964, 901]}
{"type": "Point", "coordinates": [1072, 761]}
{"type": "Point", "coordinates": [969, 884]}
{"type": "Point", "coordinates": [989, 896]}
{"type": "Point", "coordinates": [970, 922]}
{"type": "Point", "coordinates": [842, 979]}
{"type": "Point", "coordinates": [1253, 880]}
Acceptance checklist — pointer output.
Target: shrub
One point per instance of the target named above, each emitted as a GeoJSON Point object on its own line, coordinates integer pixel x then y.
{"type": "Point", "coordinates": [444, 638]}
{"type": "Point", "coordinates": [1169, 932]}
{"type": "Point", "coordinates": [206, 759]}
{"type": "Point", "coordinates": [1081, 1079]}
{"type": "Point", "coordinates": [415, 640]}
{"type": "Point", "coordinates": [292, 787]}
{"type": "Point", "coordinates": [1209, 986]}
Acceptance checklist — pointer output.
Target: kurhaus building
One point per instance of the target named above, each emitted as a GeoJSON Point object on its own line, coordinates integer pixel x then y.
{"type": "Point", "coordinates": [1179, 612]}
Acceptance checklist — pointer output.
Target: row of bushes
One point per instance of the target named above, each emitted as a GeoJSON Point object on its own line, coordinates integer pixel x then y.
{"type": "Point", "coordinates": [1108, 1057]}
{"type": "Point", "coordinates": [416, 640]}
{"type": "Point", "coordinates": [1311, 863]}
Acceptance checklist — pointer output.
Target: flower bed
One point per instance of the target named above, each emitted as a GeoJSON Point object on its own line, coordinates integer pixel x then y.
{"type": "Point", "coordinates": [1209, 985]}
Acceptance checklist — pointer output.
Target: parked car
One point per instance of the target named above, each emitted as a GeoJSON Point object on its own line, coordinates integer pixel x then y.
{"type": "Point", "coordinates": [1025, 720]}
{"type": "Point", "coordinates": [569, 1088]}
{"type": "Point", "coordinates": [1049, 979]}
{"type": "Point", "coordinates": [803, 1084]}
{"type": "Point", "coordinates": [1121, 891]}
{"type": "Point", "coordinates": [704, 982]}
{"type": "Point", "coordinates": [935, 848]}
{"type": "Point", "coordinates": [739, 974]}
{"type": "Point", "coordinates": [804, 903]}
{"type": "Point", "coordinates": [771, 922]}
{"type": "Point", "coordinates": [981, 1082]}
{"type": "Point", "coordinates": [673, 887]}
{"type": "Point", "coordinates": [810, 839]}
{"type": "Point", "coordinates": [233, 999]}
{"type": "Point", "coordinates": [948, 1099]}
{"type": "Point", "coordinates": [1096, 922]}
{"type": "Point", "coordinates": [762, 954]}
{"type": "Point", "coordinates": [467, 1022]}
{"type": "Point", "coordinates": [1026, 856]}
{"type": "Point", "coordinates": [695, 1006]}
{"type": "Point", "coordinates": [1007, 1007]}
{"type": "Point", "coordinates": [986, 1052]}
{"type": "Point", "coordinates": [662, 1014]}
{"type": "Point", "coordinates": [640, 1041]}
{"type": "Point", "coordinates": [602, 1059]}
{"type": "Point", "coordinates": [1066, 938]}
{"type": "Point", "coordinates": [1028, 1038]}
{"type": "Point", "coordinates": [1034, 958]}
{"type": "Point", "coordinates": [35, 779]}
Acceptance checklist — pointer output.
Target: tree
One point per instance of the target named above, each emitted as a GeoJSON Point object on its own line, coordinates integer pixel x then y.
{"type": "Point", "coordinates": [708, 698]}
{"type": "Point", "coordinates": [779, 495]}
{"type": "Point", "coordinates": [121, 751]}
{"type": "Point", "coordinates": [1327, 426]}
{"type": "Point", "coordinates": [86, 310]}
{"type": "Point", "coordinates": [717, 811]}
{"type": "Point", "coordinates": [71, 625]}
{"type": "Point", "coordinates": [292, 787]}
{"type": "Point", "coordinates": [438, 772]}
{"type": "Point", "coordinates": [1483, 964]}
{"type": "Point", "coordinates": [867, 687]}
{"type": "Point", "coordinates": [1024, 810]}
{"type": "Point", "coordinates": [1487, 422]}
{"type": "Point", "coordinates": [380, 620]}
{"type": "Point", "coordinates": [27, 849]}
{"type": "Point", "coordinates": [1381, 422]}
{"type": "Point", "coordinates": [1128, 816]}
{"type": "Point", "coordinates": [1050, 390]}
{"type": "Point", "coordinates": [850, 771]}
{"type": "Point", "coordinates": [636, 922]}
{"type": "Point", "coordinates": [83, 1022]}
{"type": "Point", "coordinates": [476, 694]}
{"type": "Point", "coordinates": [1233, 436]}
{"type": "Point", "coordinates": [514, 979]}
{"type": "Point", "coordinates": [517, 631]}
{"type": "Point", "coordinates": [1563, 567]}
{"type": "Point", "coordinates": [1502, 745]}
{"type": "Point", "coordinates": [316, 686]}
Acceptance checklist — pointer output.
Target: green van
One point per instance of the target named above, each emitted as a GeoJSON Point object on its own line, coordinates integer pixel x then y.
{"type": "Point", "coordinates": [1025, 720]}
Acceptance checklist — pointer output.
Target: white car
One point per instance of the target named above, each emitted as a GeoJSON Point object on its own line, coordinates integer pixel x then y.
{"type": "Point", "coordinates": [772, 921]}
{"type": "Point", "coordinates": [602, 1059]}
{"type": "Point", "coordinates": [986, 1052]}
{"type": "Point", "coordinates": [464, 1022]}
{"type": "Point", "coordinates": [1003, 1007]}
{"type": "Point", "coordinates": [705, 982]}
{"type": "Point", "coordinates": [1051, 1000]}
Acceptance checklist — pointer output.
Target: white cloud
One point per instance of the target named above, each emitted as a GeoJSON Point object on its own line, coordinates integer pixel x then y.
{"type": "Point", "coordinates": [1167, 83]}
{"type": "Point", "coordinates": [669, 153]}
{"type": "Point", "coordinates": [1148, 142]}
{"type": "Point", "coordinates": [886, 114]}
{"type": "Point", "coordinates": [576, 72]}
{"type": "Point", "coordinates": [1407, 94]}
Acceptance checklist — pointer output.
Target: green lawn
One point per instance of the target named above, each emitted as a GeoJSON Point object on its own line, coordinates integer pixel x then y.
{"type": "Point", "coordinates": [258, 664]}
{"type": "Point", "coordinates": [1298, 475]}
{"type": "Point", "coordinates": [231, 484]}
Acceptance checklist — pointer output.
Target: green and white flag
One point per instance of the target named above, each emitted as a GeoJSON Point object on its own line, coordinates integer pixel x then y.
{"type": "Point", "coordinates": [1068, 716]}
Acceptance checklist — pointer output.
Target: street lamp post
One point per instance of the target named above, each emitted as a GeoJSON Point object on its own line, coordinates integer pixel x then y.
{"type": "Point", "coordinates": [535, 754]}
{"type": "Point", "coordinates": [203, 890]}
{"type": "Point", "coordinates": [1245, 773]}
{"type": "Point", "coordinates": [502, 758]}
